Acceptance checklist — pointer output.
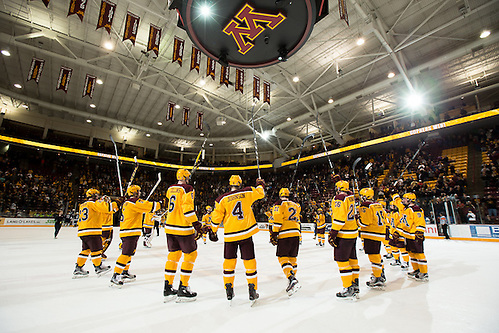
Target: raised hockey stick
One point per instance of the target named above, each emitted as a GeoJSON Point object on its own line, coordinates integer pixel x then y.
{"type": "Point", "coordinates": [324, 144]}
{"type": "Point", "coordinates": [410, 162]}
{"type": "Point", "coordinates": [155, 186]}
{"type": "Point", "coordinates": [133, 173]}
{"type": "Point", "coordinates": [357, 160]}
{"type": "Point", "coordinates": [310, 136]}
{"type": "Point", "coordinates": [117, 164]}
{"type": "Point", "coordinates": [197, 162]}
{"type": "Point", "coordinates": [254, 139]}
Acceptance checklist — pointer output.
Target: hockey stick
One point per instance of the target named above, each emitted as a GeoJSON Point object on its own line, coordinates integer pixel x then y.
{"type": "Point", "coordinates": [367, 168]}
{"type": "Point", "coordinates": [357, 160]}
{"type": "Point", "coordinates": [254, 139]}
{"type": "Point", "coordinates": [197, 162]}
{"type": "Point", "coordinates": [117, 164]}
{"type": "Point", "coordinates": [310, 136]}
{"type": "Point", "coordinates": [324, 144]}
{"type": "Point", "coordinates": [155, 186]}
{"type": "Point", "coordinates": [133, 173]}
{"type": "Point", "coordinates": [410, 162]}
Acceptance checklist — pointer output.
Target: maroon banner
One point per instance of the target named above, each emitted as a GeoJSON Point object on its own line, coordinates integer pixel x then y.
{"type": "Point", "coordinates": [170, 113]}
{"type": "Point", "coordinates": [178, 50]}
{"type": "Point", "coordinates": [210, 68]}
{"type": "Point", "coordinates": [342, 6]}
{"type": "Point", "coordinates": [35, 70]}
{"type": "Point", "coordinates": [46, 3]}
{"type": "Point", "coordinates": [88, 89]}
{"type": "Point", "coordinates": [185, 118]}
{"type": "Point", "coordinates": [64, 78]}
{"type": "Point", "coordinates": [131, 27]}
{"type": "Point", "coordinates": [256, 87]}
{"type": "Point", "coordinates": [77, 7]}
{"type": "Point", "coordinates": [154, 39]}
{"type": "Point", "coordinates": [106, 15]}
{"type": "Point", "coordinates": [224, 76]}
{"type": "Point", "coordinates": [266, 92]}
{"type": "Point", "coordinates": [199, 121]}
{"type": "Point", "coordinates": [195, 59]}
{"type": "Point", "coordinates": [239, 80]}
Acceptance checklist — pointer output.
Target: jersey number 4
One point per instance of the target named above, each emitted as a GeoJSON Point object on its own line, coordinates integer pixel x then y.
{"type": "Point", "coordinates": [238, 211]}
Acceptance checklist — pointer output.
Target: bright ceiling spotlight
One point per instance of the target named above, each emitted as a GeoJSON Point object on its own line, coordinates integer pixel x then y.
{"type": "Point", "coordinates": [99, 81]}
{"type": "Point", "coordinates": [391, 75]}
{"type": "Point", "coordinates": [211, 144]}
{"type": "Point", "coordinates": [296, 79]}
{"type": "Point", "coordinates": [177, 106]}
{"type": "Point", "coordinates": [202, 82]}
{"type": "Point", "coordinates": [414, 100]}
{"type": "Point", "coordinates": [330, 100]}
{"type": "Point", "coordinates": [25, 106]}
{"type": "Point", "coordinates": [265, 135]}
{"type": "Point", "coordinates": [233, 142]}
{"type": "Point", "coordinates": [93, 106]}
{"type": "Point", "coordinates": [160, 123]}
{"type": "Point", "coordinates": [148, 135]}
{"type": "Point", "coordinates": [6, 53]}
{"type": "Point", "coordinates": [288, 119]}
{"type": "Point", "coordinates": [201, 134]}
{"type": "Point", "coordinates": [205, 10]}
{"type": "Point", "coordinates": [89, 121]}
{"type": "Point", "coordinates": [485, 34]}
{"type": "Point", "coordinates": [109, 45]}
{"type": "Point", "coordinates": [360, 41]}
{"type": "Point", "coordinates": [18, 86]}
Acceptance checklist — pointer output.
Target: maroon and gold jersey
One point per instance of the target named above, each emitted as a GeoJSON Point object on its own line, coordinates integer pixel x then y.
{"type": "Point", "coordinates": [107, 218]}
{"type": "Point", "coordinates": [181, 212]}
{"type": "Point", "coordinates": [147, 220]}
{"type": "Point", "coordinates": [91, 216]}
{"type": "Point", "coordinates": [372, 221]}
{"type": "Point", "coordinates": [131, 219]}
{"type": "Point", "coordinates": [320, 220]}
{"type": "Point", "coordinates": [206, 219]}
{"type": "Point", "coordinates": [343, 215]}
{"type": "Point", "coordinates": [286, 218]}
{"type": "Point", "coordinates": [412, 220]}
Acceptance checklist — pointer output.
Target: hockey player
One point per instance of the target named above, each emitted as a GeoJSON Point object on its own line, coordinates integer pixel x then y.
{"type": "Point", "coordinates": [396, 240]}
{"type": "Point", "coordinates": [285, 233]}
{"type": "Point", "coordinates": [147, 226]}
{"type": "Point", "coordinates": [206, 220]}
{"type": "Point", "coordinates": [182, 231]}
{"type": "Point", "coordinates": [372, 221]}
{"type": "Point", "coordinates": [414, 226]}
{"type": "Point", "coordinates": [90, 233]}
{"type": "Point", "coordinates": [130, 230]}
{"type": "Point", "coordinates": [343, 237]}
{"type": "Point", "coordinates": [382, 201]}
{"type": "Point", "coordinates": [234, 210]}
{"type": "Point", "coordinates": [320, 221]}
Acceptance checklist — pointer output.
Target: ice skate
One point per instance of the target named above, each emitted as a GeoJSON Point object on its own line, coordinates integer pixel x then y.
{"type": "Point", "coordinates": [355, 285]}
{"type": "Point", "coordinates": [383, 276]}
{"type": "Point", "coordinates": [422, 277]}
{"type": "Point", "coordinates": [376, 283]}
{"type": "Point", "coordinates": [388, 256]}
{"type": "Point", "coordinates": [395, 263]}
{"type": "Point", "coordinates": [229, 290]}
{"type": "Point", "coordinates": [404, 266]}
{"type": "Point", "coordinates": [104, 257]}
{"type": "Point", "coordinates": [147, 242]}
{"type": "Point", "coordinates": [79, 272]}
{"type": "Point", "coordinates": [184, 294]}
{"type": "Point", "coordinates": [169, 293]}
{"type": "Point", "coordinates": [347, 294]}
{"type": "Point", "coordinates": [412, 275]}
{"type": "Point", "coordinates": [127, 277]}
{"type": "Point", "coordinates": [293, 285]}
{"type": "Point", "coordinates": [101, 270]}
{"type": "Point", "coordinates": [253, 295]}
{"type": "Point", "coordinates": [116, 281]}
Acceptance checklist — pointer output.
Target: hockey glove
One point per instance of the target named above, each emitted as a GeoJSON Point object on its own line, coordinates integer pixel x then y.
{"type": "Point", "coordinates": [387, 233]}
{"type": "Point", "coordinates": [260, 181]}
{"type": "Point", "coordinates": [273, 237]}
{"type": "Point", "coordinates": [420, 235]}
{"type": "Point", "coordinates": [198, 228]}
{"type": "Point", "coordinates": [119, 201]}
{"type": "Point", "coordinates": [332, 238]}
{"type": "Point", "coordinates": [396, 235]}
{"type": "Point", "coordinates": [213, 236]}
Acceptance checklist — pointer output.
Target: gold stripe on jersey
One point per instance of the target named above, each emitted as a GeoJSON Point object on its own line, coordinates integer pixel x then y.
{"type": "Point", "coordinates": [91, 216]}
{"type": "Point", "coordinates": [181, 212]}
{"type": "Point", "coordinates": [372, 221]}
{"type": "Point", "coordinates": [286, 216]}
{"type": "Point", "coordinates": [343, 215]}
{"type": "Point", "coordinates": [133, 210]}
{"type": "Point", "coordinates": [320, 220]}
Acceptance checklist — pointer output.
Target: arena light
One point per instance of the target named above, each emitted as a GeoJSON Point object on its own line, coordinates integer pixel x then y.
{"type": "Point", "coordinates": [391, 75]}
{"type": "Point", "coordinates": [265, 135]}
{"type": "Point", "coordinates": [288, 119]}
{"type": "Point", "coordinates": [205, 10]}
{"type": "Point", "coordinates": [296, 79]}
{"type": "Point", "coordinates": [201, 134]}
{"type": "Point", "coordinates": [93, 106]}
{"type": "Point", "coordinates": [360, 41]}
{"type": "Point", "coordinates": [109, 45]}
{"type": "Point", "coordinates": [414, 100]}
{"type": "Point", "coordinates": [330, 100]}
{"type": "Point", "coordinates": [18, 86]}
{"type": "Point", "coordinates": [177, 106]}
{"type": "Point", "coordinates": [160, 123]}
{"type": "Point", "coordinates": [6, 53]}
{"type": "Point", "coordinates": [211, 144]}
{"type": "Point", "coordinates": [485, 34]}
{"type": "Point", "coordinates": [89, 121]}
{"type": "Point", "coordinates": [202, 82]}
{"type": "Point", "coordinates": [99, 81]}
{"type": "Point", "coordinates": [148, 135]}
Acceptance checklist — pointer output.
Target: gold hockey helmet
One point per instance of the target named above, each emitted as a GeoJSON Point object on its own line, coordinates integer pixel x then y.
{"type": "Point", "coordinates": [132, 190]}
{"type": "Point", "coordinates": [235, 180]}
{"type": "Point", "coordinates": [341, 185]}
{"type": "Point", "coordinates": [209, 208]}
{"type": "Point", "coordinates": [367, 193]}
{"type": "Point", "coordinates": [91, 192]}
{"type": "Point", "coordinates": [410, 196]}
{"type": "Point", "coordinates": [183, 174]}
{"type": "Point", "coordinates": [284, 192]}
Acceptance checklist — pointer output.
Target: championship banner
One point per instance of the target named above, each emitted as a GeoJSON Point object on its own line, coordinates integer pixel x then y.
{"type": "Point", "coordinates": [170, 113]}
{"type": "Point", "coordinates": [195, 59]}
{"type": "Point", "coordinates": [239, 80]}
{"type": "Point", "coordinates": [64, 78]}
{"type": "Point", "coordinates": [224, 76]}
{"type": "Point", "coordinates": [342, 6]}
{"type": "Point", "coordinates": [131, 27]}
{"type": "Point", "coordinates": [35, 70]}
{"type": "Point", "coordinates": [256, 87]}
{"type": "Point", "coordinates": [210, 68]}
{"type": "Point", "coordinates": [88, 89]}
{"type": "Point", "coordinates": [106, 15]}
{"type": "Point", "coordinates": [154, 39]}
{"type": "Point", "coordinates": [178, 50]}
{"type": "Point", "coordinates": [199, 121]}
{"type": "Point", "coordinates": [185, 118]}
{"type": "Point", "coordinates": [266, 92]}
{"type": "Point", "coordinates": [46, 3]}
{"type": "Point", "coordinates": [77, 7]}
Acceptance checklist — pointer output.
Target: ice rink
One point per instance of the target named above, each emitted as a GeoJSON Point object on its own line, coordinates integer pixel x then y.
{"type": "Point", "coordinates": [38, 294]}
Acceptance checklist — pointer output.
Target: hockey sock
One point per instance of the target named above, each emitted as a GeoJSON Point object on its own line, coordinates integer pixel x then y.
{"type": "Point", "coordinates": [187, 266]}
{"type": "Point", "coordinates": [376, 265]}
{"type": "Point", "coordinates": [345, 273]}
{"type": "Point", "coordinates": [96, 257]}
{"type": "Point", "coordinates": [129, 261]}
{"type": "Point", "coordinates": [388, 249]}
{"type": "Point", "coordinates": [414, 261]}
{"type": "Point", "coordinates": [396, 254]}
{"type": "Point", "coordinates": [423, 267]}
{"type": "Point", "coordinates": [286, 265]}
{"type": "Point", "coordinates": [251, 275]}
{"type": "Point", "coordinates": [354, 263]}
{"type": "Point", "coordinates": [405, 255]}
{"type": "Point", "coordinates": [82, 257]}
{"type": "Point", "coordinates": [321, 238]}
{"type": "Point", "coordinates": [171, 265]}
{"type": "Point", "coordinates": [121, 263]}
{"type": "Point", "coordinates": [229, 270]}
{"type": "Point", "coordinates": [293, 261]}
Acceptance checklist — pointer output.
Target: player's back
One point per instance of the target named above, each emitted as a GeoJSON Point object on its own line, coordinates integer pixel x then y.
{"type": "Point", "coordinates": [286, 216]}
{"type": "Point", "coordinates": [343, 215]}
{"type": "Point", "coordinates": [180, 210]}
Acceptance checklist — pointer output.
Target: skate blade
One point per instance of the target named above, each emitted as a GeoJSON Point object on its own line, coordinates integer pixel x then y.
{"type": "Point", "coordinates": [79, 276]}
{"type": "Point", "coordinates": [100, 274]}
{"type": "Point", "coordinates": [348, 299]}
{"type": "Point", "coordinates": [381, 288]}
{"type": "Point", "coordinates": [168, 299]}
{"type": "Point", "coordinates": [185, 299]}
{"type": "Point", "coordinates": [128, 280]}
{"type": "Point", "coordinates": [253, 303]}
{"type": "Point", "coordinates": [294, 290]}
{"type": "Point", "coordinates": [114, 285]}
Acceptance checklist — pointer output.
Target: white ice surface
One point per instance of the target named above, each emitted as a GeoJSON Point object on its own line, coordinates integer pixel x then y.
{"type": "Point", "coordinates": [38, 294]}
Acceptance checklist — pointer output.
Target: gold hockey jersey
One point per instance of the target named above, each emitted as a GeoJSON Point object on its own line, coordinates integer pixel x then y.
{"type": "Point", "coordinates": [181, 212]}
{"type": "Point", "coordinates": [286, 216]}
{"type": "Point", "coordinates": [131, 219]}
{"type": "Point", "coordinates": [91, 216]}
{"type": "Point", "coordinates": [343, 215]}
{"type": "Point", "coordinates": [372, 221]}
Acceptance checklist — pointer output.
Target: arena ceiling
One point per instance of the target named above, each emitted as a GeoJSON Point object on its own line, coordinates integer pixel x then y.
{"type": "Point", "coordinates": [433, 47]}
